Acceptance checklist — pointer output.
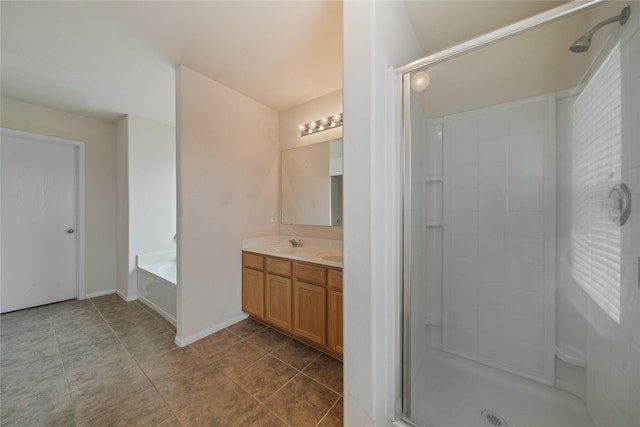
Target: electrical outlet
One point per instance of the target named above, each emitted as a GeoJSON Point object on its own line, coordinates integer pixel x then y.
{"type": "Point", "coordinates": [273, 217]}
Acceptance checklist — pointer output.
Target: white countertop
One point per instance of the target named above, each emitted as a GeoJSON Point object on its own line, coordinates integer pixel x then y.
{"type": "Point", "coordinates": [318, 251]}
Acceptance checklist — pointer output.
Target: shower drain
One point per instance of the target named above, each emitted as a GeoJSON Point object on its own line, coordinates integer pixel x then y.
{"type": "Point", "coordinates": [493, 419]}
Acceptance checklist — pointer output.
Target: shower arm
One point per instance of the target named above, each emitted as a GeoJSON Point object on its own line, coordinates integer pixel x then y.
{"type": "Point", "coordinates": [622, 18]}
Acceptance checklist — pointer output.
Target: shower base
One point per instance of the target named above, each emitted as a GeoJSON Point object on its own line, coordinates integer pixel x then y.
{"type": "Point", "coordinates": [452, 391]}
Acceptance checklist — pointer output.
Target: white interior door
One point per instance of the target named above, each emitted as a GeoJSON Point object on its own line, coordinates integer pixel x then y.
{"type": "Point", "coordinates": [39, 250]}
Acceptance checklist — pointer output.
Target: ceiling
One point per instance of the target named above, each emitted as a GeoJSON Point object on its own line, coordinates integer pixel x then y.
{"type": "Point", "coordinates": [442, 24]}
{"type": "Point", "coordinates": [106, 59]}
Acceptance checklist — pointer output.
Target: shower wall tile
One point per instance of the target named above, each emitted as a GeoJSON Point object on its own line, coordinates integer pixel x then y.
{"type": "Point", "coordinates": [527, 118]}
{"type": "Point", "coordinates": [525, 224]}
{"type": "Point", "coordinates": [493, 175]}
{"type": "Point", "coordinates": [464, 200]}
{"type": "Point", "coordinates": [525, 303]}
{"type": "Point", "coordinates": [526, 250]}
{"type": "Point", "coordinates": [466, 130]}
{"type": "Point", "coordinates": [634, 367]}
{"type": "Point", "coordinates": [491, 298]}
{"type": "Point", "coordinates": [492, 245]}
{"type": "Point", "coordinates": [495, 234]}
{"type": "Point", "coordinates": [520, 329]}
{"type": "Point", "coordinates": [529, 358]}
{"type": "Point", "coordinates": [492, 149]}
{"type": "Point", "coordinates": [464, 270]}
{"type": "Point", "coordinates": [526, 194]}
{"type": "Point", "coordinates": [491, 271]}
{"type": "Point", "coordinates": [464, 245]}
{"type": "Point", "coordinates": [489, 321]}
{"type": "Point", "coordinates": [464, 223]}
{"type": "Point", "coordinates": [464, 152]}
{"type": "Point", "coordinates": [526, 155]}
{"type": "Point", "coordinates": [527, 277]}
{"type": "Point", "coordinates": [464, 176]}
{"type": "Point", "coordinates": [494, 126]}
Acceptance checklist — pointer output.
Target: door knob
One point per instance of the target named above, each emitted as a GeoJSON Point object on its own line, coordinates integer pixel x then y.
{"type": "Point", "coordinates": [70, 230]}
{"type": "Point", "coordinates": [618, 204]}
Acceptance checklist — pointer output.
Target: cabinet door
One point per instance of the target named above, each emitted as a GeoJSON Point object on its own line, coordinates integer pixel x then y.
{"type": "Point", "coordinates": [278, 303]}
{"type": "Point", "coordinates": [253, 292]}
{"type": "Point", "coordinates": [334, 321]}
{"type": "Point", "coordinates": [310, 312]}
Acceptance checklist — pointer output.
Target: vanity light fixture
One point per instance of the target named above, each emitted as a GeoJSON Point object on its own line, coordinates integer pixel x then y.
{"type": "Point", "coordinates": [320, 125]}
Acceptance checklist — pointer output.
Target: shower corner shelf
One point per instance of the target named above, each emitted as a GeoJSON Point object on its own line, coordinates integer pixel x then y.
{"type": "Point", "coordinates": [571, 356]}
{"type": "Point", "coordinates": [433, 223]}
{"type": "Point", "coordinates": [433, 178]}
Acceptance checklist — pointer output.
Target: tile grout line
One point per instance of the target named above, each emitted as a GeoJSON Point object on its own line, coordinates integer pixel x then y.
{"type": "Point", "coordinates": [104, 319]}
{"type": "Point", "coordinates": [257, 400]}
{"type": "Point", "coordinates": [64, 369]}
{"type": "Point", "coordinates": [330, 409]}
{"type": "Point", "coordinates": [324, 385]}
{"type": "Point", "coordinates": [135, 360]}
{"type": "Point", "coordinates": [301, 369]}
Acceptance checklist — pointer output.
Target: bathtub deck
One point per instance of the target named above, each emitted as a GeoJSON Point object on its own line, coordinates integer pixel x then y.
{"type": "Point", "coordinates": [452, 391]}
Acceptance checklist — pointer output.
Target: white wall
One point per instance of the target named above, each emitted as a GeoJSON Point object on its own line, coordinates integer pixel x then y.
{"type": "Point", "coordinates": [152, 191]}
{"type": "Point", "coordinates": [290, 121]}
{"type": "Point", "coordinates": [100, 180]}
{"type": "Point", "coordinates": [122, 207]}
{"type": "Point", "coordinates": [228, 171]}
{"type": "Point", "coordinates": [377, 36]}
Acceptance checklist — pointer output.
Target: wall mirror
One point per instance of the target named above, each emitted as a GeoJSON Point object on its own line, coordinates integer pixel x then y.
{"type": "Point", "coordinates": [312, 184]}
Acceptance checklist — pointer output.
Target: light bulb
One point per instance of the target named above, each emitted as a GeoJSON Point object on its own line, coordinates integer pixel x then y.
{"type": "Point", "coordinates": [420, 81]}
{"type": "Point", "coordinates": [336, 118]}
{"type": "Point", "coordinates": [312, 125]}
{"type": "Point", "coordinates": [301, 127]}
{"type": "Point", "coordinates": [325, 121]}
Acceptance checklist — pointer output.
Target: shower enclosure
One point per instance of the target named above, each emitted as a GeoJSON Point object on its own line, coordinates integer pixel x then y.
{"type": "Point", "coordinates": [521, 296]}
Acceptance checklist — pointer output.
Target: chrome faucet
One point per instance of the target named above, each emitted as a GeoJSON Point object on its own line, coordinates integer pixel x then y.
{"type": "Point", "coordinates": [296, 243]}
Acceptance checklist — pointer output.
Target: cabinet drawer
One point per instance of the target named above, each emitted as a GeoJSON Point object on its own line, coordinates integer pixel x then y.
{"type": "Point", "coordinates": [311, 273]}
{"type": "Point", "coordinates": [279, 266]}
{"type": "Point", "coordinates": [252, 261]}
{"type": "Point", "coordinates": [335, 278]}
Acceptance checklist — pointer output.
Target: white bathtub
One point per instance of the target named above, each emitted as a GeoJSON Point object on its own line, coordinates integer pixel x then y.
{"type": "Point", "coordinates": [157, 279]}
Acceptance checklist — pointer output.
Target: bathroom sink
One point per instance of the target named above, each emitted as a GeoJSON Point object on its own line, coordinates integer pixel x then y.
{"type": "Point", "coordinates": [332, 258]}
{"type": "Point", "coordinates": [278, 249]}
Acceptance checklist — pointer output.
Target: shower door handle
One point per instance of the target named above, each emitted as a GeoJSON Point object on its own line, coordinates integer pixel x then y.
{"type": "Point", "coordinates": [618, 204]}
{"type": "Point", "coordinates": [70, 230]}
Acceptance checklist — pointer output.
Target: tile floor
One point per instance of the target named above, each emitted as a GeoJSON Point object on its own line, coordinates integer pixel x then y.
{"type": "Point", "coordinates": [106, 362]}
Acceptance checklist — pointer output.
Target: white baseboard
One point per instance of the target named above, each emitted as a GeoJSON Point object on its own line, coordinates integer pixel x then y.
{"type": "Point", "coordinates": [181, 342]}
{"type": "Point", "coordinates": [126, 298]}
{"type": "Point", "coordinates": [158, 310]}
{"type": "Point", "coordinates": [100, 294]}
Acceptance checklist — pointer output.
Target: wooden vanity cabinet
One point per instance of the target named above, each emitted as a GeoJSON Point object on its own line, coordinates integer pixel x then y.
{"type": "Point", "coordinates": [278, 293]}
{"type": "Point", "coordinates": [303, 300]}
{"type": "Point", "coordinates": [253, 285]}
{"type": "Point", "coordinates": [334, 312]}
{"type": "Point", "coordinates": [278, 301]}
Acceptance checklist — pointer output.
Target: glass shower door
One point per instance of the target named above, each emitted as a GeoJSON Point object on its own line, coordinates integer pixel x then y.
{"type": "Point", "coordinates": [522, 304]}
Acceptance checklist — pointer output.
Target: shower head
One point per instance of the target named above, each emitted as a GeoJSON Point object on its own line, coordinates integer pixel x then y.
{"type": "Point", "coordinates": [584, 42]}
